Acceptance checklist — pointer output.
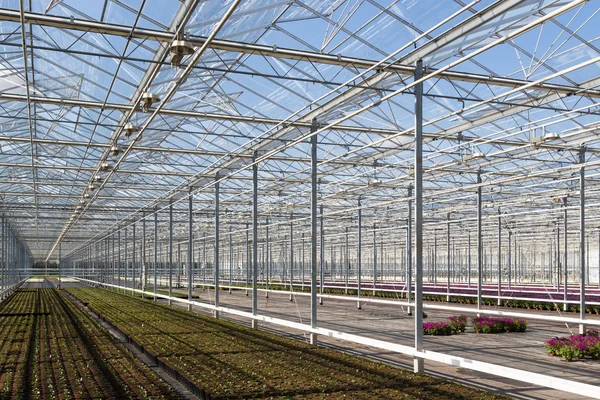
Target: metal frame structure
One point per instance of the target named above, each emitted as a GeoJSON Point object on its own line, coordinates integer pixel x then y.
{"type": "Point", "coordinates": [301, 118]}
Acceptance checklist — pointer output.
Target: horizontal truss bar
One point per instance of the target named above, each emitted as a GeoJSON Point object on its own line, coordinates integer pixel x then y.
{"type": "Point", "coordinates": [276, 52]}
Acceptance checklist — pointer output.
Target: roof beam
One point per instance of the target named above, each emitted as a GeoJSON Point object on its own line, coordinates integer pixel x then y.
{"type": "Point", "coordinates": [303, 55]}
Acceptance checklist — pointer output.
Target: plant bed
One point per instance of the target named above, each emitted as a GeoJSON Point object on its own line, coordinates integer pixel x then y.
{"type": "Point", "coordinates": [576, 346]}
{"type": "Point", "coordinates": [64, 354]}
{"type": "Point", "coordinates": [487, 324]}
{"type": "Point", "coordinates": [456, 324]}
{"type": "Point", "coordinates": [437, 328]}
{"type": "Point", "coordinates": [229, 360]}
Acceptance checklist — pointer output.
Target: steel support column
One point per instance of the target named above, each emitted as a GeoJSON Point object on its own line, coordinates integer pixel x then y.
{"type": "Point", "coordinates": [479, 244]}
{"type": "Point", "coordinates": [126, 283]}
{"type": "Point", "coordinates": [133, 261]}
{"type": "Point", "coordinates": [359, 254]}
{"type": "Point", "coordinates": [217, 244]}
{"type": "Point", "coordinates": [448, 266]}
{"type": "Point", "coordinates": [255, 240]}
{"type": "Point", "coordinates": [374, 259]}
{"type": "Point", "coordinates": [247, 257]}
{"type": "Point", "coordinates": [170, 249]}
{"type": "Point", "coordinates": [190, 253]}
{"type": "Point", "coordinates": [565, 251]}
{"type": "Point", "coordinates": [313, 230]}
{"type": "Point", "coordinates": [291, 256]}
{"type": "Point", "coordinates": [230, 257]}
{"type": "Point", "coordinates": [469, 260]}
{"type": "Point", "coordinates": [509, 278]}
{"type": "Point", "coordinates": [418, 151]}
{"type": "Point", "coordinates": [155, 244]}
{"type": "Point", "coordinates": [321, 254]}
{"type": "Point", "coordinates": [409, 255]}
{"type": "Point", "coordinates": [582, 238]}
{"type": "Point", "coordinates": [499, 257]}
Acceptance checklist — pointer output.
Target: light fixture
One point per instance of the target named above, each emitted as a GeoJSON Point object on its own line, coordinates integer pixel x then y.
{"type": "Point", "coordinates": [538, 140]}
{"type": "Point", "coordinates": [86, 195]}
{"type": "Point", "coordinates": [375, 182]}
{"type": "Point", "coordinates": [98, 178]}
{"type": "Point", "coordinates": [180, 49]}
{"type": "Point", "coordinates": [115, 150]}
{"type": "Point", "coordinates": [147, 100]}
{"type": "Point", "coordinates": [551, 136]}
{"type": "Point", "coordinates": [129, 129]}
{"type": "Point", "coordinates": [473, 156]}
{"type": "Point", "coordinates": [105, 166]}
{"type": "Point", "coordinates": [91, 187]}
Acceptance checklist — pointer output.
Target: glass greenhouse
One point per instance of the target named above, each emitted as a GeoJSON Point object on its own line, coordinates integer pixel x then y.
{"type": "Point", "coordinates": [300, 199]}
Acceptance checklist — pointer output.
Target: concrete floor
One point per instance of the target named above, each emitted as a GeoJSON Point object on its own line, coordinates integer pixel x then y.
{"type": "Point", "coordinates": [390, 323]}
{"type": "Point", "coordinates": [385, 322]}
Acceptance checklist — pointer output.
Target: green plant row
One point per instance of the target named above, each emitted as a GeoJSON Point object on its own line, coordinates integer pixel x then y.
{"type": "Point", "coordinates": [231, 361]}
{"type": "Point", "coordinates": [64, 354]}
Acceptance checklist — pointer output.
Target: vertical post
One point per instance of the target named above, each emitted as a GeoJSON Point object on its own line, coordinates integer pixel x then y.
{"type": "Point", "coordinates": [395, 264]}
{"type": "Point", "coordinates": [3, 259]}
{"type": "Point", "coordinates": [217, 239]}
{"type": "Point", "coordinates": [313, 230]}
{"type": "Point", "coordinates": [114, 261]}
{"type": "Point", "coordinates": [59, 264]}
{"type": "Point", "coordinates": [155, 250]}
{"type": "Point", "coordinates": [582, 238]}
{"type": "Point", "coordinates": [374, 259]}
{"type": "Point", "coordinates": [322, 256]}
{"type": "Point", "coordinates": [448, 257]}
{"type": "Point", "coordinates": [359, 253]}
{"type": "Point", "coordinates": [230, 258]}
{"type": "Point", "coordinates": [255, 240]}
{"type": "Point", "coordinates": [144, 264]}
{"type": "Point", "coordinates": [479, 243]}
{"type": "Point", "coordinates": [265, 256]}
{"type": "Point", "coordinates": [125, 284]}
{"type": "Point", "coordinates": [303, 274]}
{"type": "Point", "coordinates": [204, 261]}
{"type": "Point", "coordinates": [469, 260]}
{"type": "Point", "coordinates": [558, 259]}
{"type": "Point", "coordinates": [509, 259]}
{"type": "Point", "coordinates": [499, 257]}
{"type": "Point", "coordinates": [247, 257]}
{"type": "Point", "coordinates": [119, 260]}
{"type": "Point", "coordinates": [133, 261]}
{"type": "Point", "coordinates": [409, 250]}
{"type": "Point", "coordinates": [190, 255]}
{"type": "Point", "coordinates": [179, 265]}
{"type": "Point", "coordinates": [435, 257]}
{"type": "Point", "coordinates": [347, 263]}
{"type": "Point", "coordinates": [565, 266]}
{"type": "Point", "coordinates": [291, 256]}
{"type": "Point", "coordinates": [419, 362]}
{"type": "Point", "coordinates": [170, 249]}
